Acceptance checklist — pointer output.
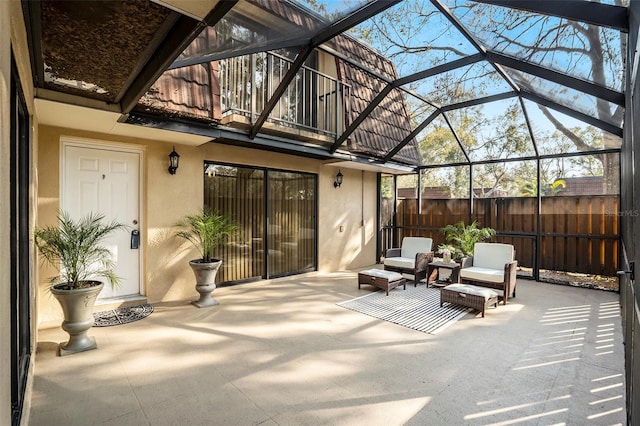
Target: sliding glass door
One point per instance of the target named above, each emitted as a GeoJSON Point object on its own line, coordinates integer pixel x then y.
{"type": "Point", "coordinates": [276, 212]}
{"type": "Point", "coordinates": [291, 214]}
{"type": "Point", "coordinates": [19, 208]}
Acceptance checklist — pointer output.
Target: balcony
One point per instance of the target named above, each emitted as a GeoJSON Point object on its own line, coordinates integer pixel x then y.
{"type": "Point", "coordinates": [314, 107]}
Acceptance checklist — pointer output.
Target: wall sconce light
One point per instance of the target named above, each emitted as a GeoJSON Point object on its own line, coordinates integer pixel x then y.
{"type": "Point", "coordinates": [338, 181]}
{"type": "Point", "coordinates": [173, 159]}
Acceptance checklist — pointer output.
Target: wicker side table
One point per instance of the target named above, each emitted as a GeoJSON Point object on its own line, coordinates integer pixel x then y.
{"type": "Point", "coordinates": [436, 266]}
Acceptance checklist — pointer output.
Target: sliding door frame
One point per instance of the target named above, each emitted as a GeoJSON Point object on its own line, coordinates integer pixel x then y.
{"type": "Point", "coordinates": [268, 220]}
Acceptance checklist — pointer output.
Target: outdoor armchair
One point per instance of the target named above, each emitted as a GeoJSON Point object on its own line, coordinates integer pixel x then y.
{"type": "Point", "coordinates": [492, 265]}
{"type": "Point", "coordinates": [412, 258]}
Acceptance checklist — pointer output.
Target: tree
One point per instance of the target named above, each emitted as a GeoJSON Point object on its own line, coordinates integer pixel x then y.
{"type": "Point", "coordinates": [413, 36]}
{"type": "Point", "coordinates": [530, 189]}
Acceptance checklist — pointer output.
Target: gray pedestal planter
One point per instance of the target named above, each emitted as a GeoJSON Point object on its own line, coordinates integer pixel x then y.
{"type": "Point", "coordinates": [205, 273]}
{"type": "Point", "coordinates": [77, 306]}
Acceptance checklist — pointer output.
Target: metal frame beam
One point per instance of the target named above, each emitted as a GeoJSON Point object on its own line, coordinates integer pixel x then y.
{"type": "Point", "coordinates": [572, 113]}
{"type": "Point", "coordinates": [179, 31]}
{"type": "Point", "coordinates": [373, 73]}
{"type": "Point", "coordinates": [482, 49]}
{"type": "Point", "coordinates": [455, 135]}
{"type": "Point", "coordinates": [211, 57]}
{"type": "Point", "coordinates": [603, 15]}
{"type": "Point", "coordinates": [479, 101]}
{"type": "Point", "coordinates": [317, 39]}
{"type": "Point", "coordinates": [527, 158]}
{"type": "Point", "coordinates": [459, 26]}
{"type": "Point", "coordinates": [438, 69]}
{"type": "Point", "coordinates": [356, 17]}
{"type": "Point", "coordinates": [302, 56]}
{"type": "Point", "coordinates": [148, 53]}
{"type": "Point", "coordinates": [32, 11]}
{"type": "Point", "coordinates": [526, 119]}
{"type": "Point", "coordinates": [354, 63]}
{"type": "Point", "coordinates": [558, 77]}
{"type": "Point", "coordinates": [182, 33]}
{"type": "Point", "coordinates": [360, 118]}
{"type": "Point", "coordinates": [398, 83]}
{"type": "Point", "coordinates": [412, 135]}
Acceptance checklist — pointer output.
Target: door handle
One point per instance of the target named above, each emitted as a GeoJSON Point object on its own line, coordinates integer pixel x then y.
{"type": "Point", "coordinates": [631, 272]}
{"type": "Point", "coordinates": [135, 239]}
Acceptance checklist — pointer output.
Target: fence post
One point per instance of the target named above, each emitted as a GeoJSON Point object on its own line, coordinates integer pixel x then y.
{"type": "Point", "coordinates": [537, 244]}
{"type": "Point", "coordinates": [471, 195]}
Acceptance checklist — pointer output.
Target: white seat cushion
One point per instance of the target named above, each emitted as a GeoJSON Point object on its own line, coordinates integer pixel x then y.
{"type": "Point", "coordinates": [492, 255]}
{"type": "Point", "coordinates": [487, 293]}
{"type": "Point", "coordinates": [414, 245]}
{"type": "Point", "coordinates": [400, 262]}
{"type": "Point", "coordinates": [389, 275]}
{"type": "Point", "coordinates": [483, 274]}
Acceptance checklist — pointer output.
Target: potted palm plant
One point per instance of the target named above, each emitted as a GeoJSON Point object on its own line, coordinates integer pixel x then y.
{"type": "Point", "coordinates": [463, 237]}
{"type": "Point", "coordinates": [74, 249]}
{"type": "Point", "coordinates": [206, 230]}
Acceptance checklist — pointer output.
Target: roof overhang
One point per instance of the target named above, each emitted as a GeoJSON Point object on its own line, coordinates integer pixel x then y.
{"type": "Point", "coordinates": [237, 137]}
{"type": "Point", "coordinates": [94, 120]}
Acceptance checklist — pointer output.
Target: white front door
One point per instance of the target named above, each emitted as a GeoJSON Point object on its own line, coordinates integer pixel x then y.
{"type": "Point", "coordinates": [107, 180]}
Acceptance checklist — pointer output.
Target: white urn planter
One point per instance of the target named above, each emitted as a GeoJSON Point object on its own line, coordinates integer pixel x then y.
{"type": "Point", "coordinates": [206, 230]}
{"type": "Point", "coordinates": [77, 306]}
{"type": "Point", "coordinates": [73, 247]}
{"type": "Point", "coordinates": [205, 273]}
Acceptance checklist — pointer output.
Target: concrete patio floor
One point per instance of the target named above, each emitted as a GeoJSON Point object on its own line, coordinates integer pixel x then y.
{"type": "Point", "coordinates": [281, 352]}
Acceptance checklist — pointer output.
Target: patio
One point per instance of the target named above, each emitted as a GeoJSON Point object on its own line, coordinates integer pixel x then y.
{"type": "Point", "coordinates": [281, 352]}
{"type": "Point", "coordinates": [329, 131]}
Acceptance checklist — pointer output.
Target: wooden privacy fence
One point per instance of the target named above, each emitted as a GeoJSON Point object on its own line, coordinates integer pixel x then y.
{"type": "Point", "coordinates": [577, 233]}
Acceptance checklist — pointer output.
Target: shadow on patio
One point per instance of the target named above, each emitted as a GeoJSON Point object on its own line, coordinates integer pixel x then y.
{"type": "Point", "coordinates": [282, 352]}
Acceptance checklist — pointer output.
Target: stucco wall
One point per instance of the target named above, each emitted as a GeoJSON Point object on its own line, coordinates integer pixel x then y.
{"type": "Point", "coordinates": [167, 198]}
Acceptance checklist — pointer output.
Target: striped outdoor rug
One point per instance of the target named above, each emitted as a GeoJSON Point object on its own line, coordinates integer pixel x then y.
{"type": "Point", "coordinates": [417, 308]}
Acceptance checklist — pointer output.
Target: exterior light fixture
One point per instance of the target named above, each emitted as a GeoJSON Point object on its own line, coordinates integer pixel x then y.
{"type": "Point", "coordinates": [338, 181]}
{"type": "Point", "coordinates": [173, 159]}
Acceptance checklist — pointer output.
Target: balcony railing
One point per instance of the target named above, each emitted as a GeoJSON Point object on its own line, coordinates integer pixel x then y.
{"type": "Point", "coordinates": [313, 101]}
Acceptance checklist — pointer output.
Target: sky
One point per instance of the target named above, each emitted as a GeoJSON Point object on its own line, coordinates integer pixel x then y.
{"type": "Point", "coordinates": [428, 27]}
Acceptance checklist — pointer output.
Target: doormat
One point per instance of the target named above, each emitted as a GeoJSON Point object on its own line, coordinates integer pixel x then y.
{"type": "Point", "coordinates": [417, 308]}
{"type": "Point", "coordinates": [122, 315]}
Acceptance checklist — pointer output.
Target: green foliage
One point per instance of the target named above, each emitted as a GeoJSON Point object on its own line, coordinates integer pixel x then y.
{"type": "Point", "coordinates": [386, 187]}
{"type": "Point", "coordinates": [206, 230]}
{"type": "Point", "coordinates": [530, 189]}
{"type": "Point", "coordinates": [73, 248]}
{"type": "Point", "coordinates": [463, 238]}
